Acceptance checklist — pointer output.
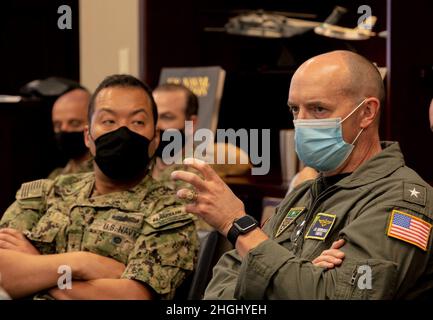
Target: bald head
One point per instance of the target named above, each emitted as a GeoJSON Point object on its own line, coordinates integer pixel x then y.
{"type": "Point", "coordinates": [70, 111]}
{"type": "Point", "coordinates": [346, 73]}
{"type": "Point", "coordinates": [74, 96]}
{"type": "Point", "coordinates": [345, 86]}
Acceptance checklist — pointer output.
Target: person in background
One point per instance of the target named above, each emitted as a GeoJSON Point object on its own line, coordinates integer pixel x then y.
{"type": "Point", "coordinates": [69, 117]}
{"type": "Point", "coordinates": [176, 104]}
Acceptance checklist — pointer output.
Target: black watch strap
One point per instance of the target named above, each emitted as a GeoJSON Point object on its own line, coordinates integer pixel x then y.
{"type": "Point", "coordinates": [240, 226]}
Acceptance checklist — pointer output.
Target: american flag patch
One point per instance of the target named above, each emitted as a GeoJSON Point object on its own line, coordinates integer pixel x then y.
{"type": "Point", "coordinates": [409, 228]}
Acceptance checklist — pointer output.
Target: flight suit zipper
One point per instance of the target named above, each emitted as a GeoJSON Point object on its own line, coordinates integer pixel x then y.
{"type": "Point", "coordinates": [354, 276]}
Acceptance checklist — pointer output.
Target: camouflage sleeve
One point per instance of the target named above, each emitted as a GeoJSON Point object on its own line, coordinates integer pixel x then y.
{"type": "Point", "coordinates": [165, 252]}
{"type": "Point", "coordinates": [29, 206]}
{"type": "Point", "coordinates": [55, 173]}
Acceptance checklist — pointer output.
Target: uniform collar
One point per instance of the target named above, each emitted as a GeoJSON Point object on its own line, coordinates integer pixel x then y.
{"type": "Point", "coordinates": [381, 165]}
{"type": "Point", "coordinates": [130, 199]}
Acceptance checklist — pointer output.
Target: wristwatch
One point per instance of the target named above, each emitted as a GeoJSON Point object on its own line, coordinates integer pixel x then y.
{"type": "Point", "coordinates": [240, 226]}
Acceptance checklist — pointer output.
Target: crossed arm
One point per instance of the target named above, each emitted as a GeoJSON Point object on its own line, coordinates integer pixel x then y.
{"type": "Point", "coordinates": [24, 272]}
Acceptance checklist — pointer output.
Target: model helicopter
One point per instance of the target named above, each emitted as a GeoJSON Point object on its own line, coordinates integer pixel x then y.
{"type": "Point", "coordinates": [268, 25]}
{"type": "Point", "coordinates": [288, 24]}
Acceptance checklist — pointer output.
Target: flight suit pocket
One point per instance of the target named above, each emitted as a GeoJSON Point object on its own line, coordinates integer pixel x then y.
{"type": "Point", "coordinates": [366, 279]}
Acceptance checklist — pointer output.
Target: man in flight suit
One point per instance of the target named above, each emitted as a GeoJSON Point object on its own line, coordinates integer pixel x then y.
{"type": "Point", "coordinates": [364, 196]}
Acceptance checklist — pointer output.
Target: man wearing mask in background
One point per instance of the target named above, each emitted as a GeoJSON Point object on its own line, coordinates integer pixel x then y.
{"type": "Point", "coordinates": [176, 104]}
{"type": "Point", "coordinates": [121, 234]}
{"type": "Point", "coordinates": [69, 117]}
{"type": "Point", "coordinates": [365, 198]}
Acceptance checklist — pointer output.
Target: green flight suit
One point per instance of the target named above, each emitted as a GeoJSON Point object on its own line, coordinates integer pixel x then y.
{"type": "Point", "coordinates": [146, 228]}
{"type": "Point", "coordinates": [359, 208]}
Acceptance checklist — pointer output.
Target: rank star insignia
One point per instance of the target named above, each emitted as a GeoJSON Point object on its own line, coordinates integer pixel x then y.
{"type": "Point", "coordinates": [288, 219]}
{"type": "Point", "coordinates": [414, 192]}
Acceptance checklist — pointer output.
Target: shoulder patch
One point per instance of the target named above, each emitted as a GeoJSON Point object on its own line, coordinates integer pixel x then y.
{"type": "Point", "coordinates": [168, 216]}
{"type": "Point", "coordinates": [411, 229]}
{"type": "Point", "coordinates": [414, 193]}
{"type": "Point", "coordinates": [33, 189]}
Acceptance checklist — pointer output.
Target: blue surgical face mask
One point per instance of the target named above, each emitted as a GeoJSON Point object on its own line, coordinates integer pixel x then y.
{"type": "Point", "coordinates": [319, 143]}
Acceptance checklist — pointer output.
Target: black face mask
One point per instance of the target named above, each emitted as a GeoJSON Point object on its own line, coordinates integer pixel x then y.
{"type": "Point", "coordinates": [122, 154]}
{"type": "Point", "coordinates": [71, 144]}
{"type": "Point", "coordinates": [163, 144]}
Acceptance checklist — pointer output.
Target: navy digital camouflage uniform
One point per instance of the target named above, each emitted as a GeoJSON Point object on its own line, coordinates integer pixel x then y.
{"type": "Point", "coordinates": [175, 185]}
{"type": "Point", "coordinates": [146, 228]}
{"type": "Point", "coordinates": [86, 166]}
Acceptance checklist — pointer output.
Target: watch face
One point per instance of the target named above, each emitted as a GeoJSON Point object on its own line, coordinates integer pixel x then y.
{"type": "Point", "coordinates": [245, 223]}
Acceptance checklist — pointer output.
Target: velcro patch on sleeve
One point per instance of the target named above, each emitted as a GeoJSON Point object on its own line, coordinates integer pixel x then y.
{"type": "Point", "coordinates": [33, 189]}
{"type": "Point", "coordinates": [409, 228]}
{"type": "Point", "coordinates": [168, 216]}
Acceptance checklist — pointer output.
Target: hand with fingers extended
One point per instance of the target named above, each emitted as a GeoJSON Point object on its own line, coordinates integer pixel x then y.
{"type": "Point", "coordinates": [212, 199]}
{"type": "Point", "coordinates": [13, 239]}
{"type": "Point", "coordinates": [332, 257]}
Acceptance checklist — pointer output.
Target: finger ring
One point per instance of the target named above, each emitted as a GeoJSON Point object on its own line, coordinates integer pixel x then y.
{"type": "Point", "coordinates": [191, 195]}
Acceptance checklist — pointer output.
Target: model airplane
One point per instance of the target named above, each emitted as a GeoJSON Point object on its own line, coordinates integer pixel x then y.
{"type": "Point", "coordinates": [361, 32]}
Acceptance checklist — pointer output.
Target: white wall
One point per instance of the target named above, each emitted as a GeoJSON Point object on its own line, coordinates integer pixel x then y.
{"type": "Point", "coordinates": [109, 34]}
